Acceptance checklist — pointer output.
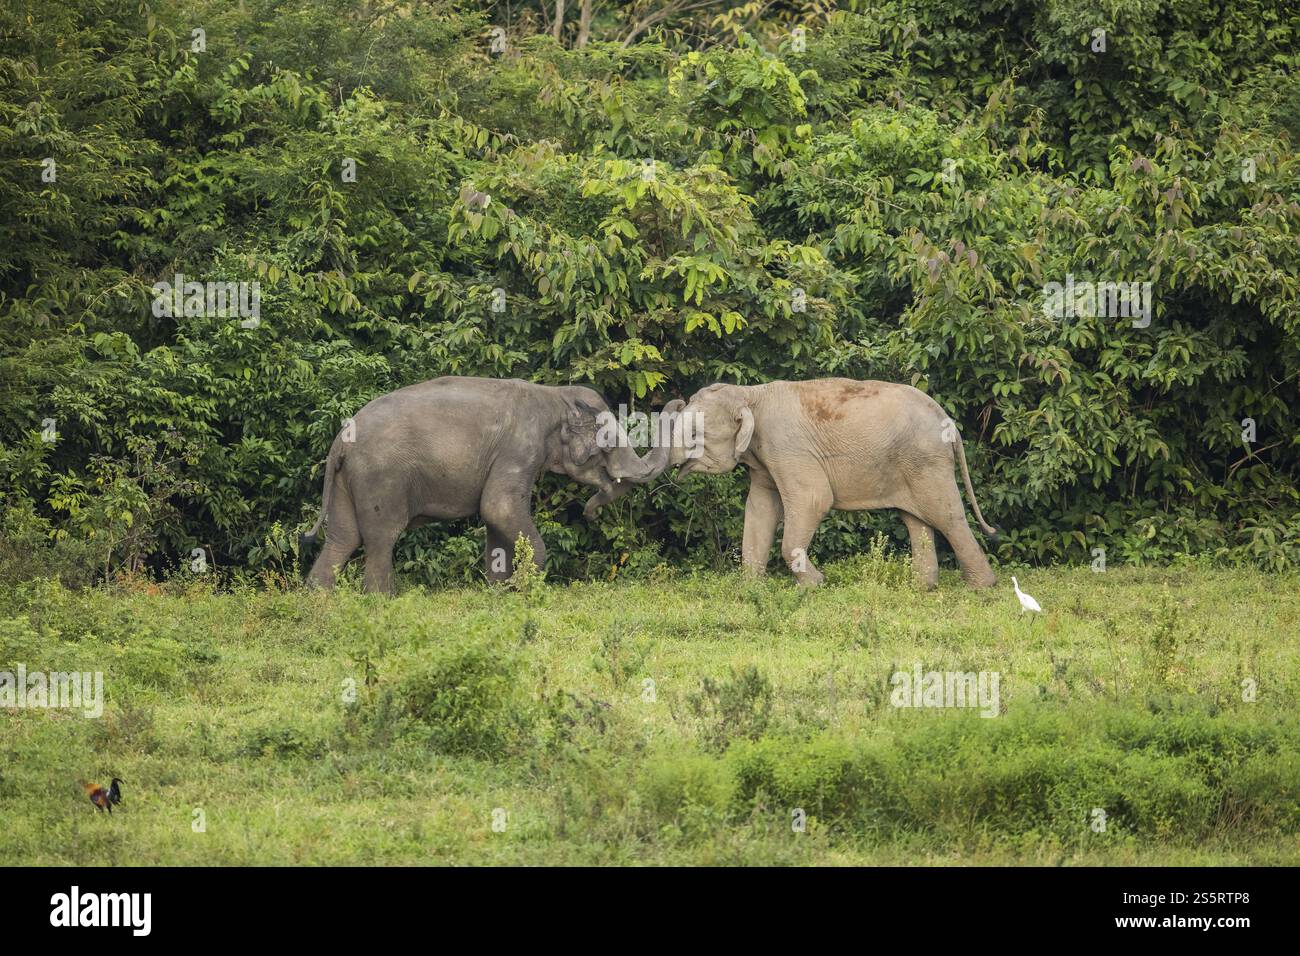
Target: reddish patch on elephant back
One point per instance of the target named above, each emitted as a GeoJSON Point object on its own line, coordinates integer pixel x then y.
{"type": "Point", "coordinates": [852, 390]}
{"type": "Point", "coordinates": [821, 408]}
{"type": "Point", "coordinates": [828, 404]}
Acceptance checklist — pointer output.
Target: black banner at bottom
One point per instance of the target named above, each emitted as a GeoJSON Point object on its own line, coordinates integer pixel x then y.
{"type": "Point", "coordinates": [343, 904]}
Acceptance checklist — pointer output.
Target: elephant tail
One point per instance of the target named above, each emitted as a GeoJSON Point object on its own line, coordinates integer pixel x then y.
{"type": "Point", "coordinates": [332, 463]}
{"type": "Point", "coordinates": [988, 529]}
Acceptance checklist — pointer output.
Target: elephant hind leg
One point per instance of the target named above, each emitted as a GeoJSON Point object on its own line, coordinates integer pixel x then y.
{"type": "Point", "coordinates": [942, 510]}
{"type": "Point", "coordinates": [341, 540]}
{"type": "Point", "coordinates": [379, 558]}
{"type": "Point", "coordinates": [975, 567]}
{"type": "Point", "coordinates": [925, 558]}
{"type": "Point", "coordinates": [332, 559]}
{"type": "Point", "coordinates": [381, 525]}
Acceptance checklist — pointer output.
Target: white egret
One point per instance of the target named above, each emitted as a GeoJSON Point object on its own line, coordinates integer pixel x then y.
{"type": "Point", "coordinates": [1026, 602]}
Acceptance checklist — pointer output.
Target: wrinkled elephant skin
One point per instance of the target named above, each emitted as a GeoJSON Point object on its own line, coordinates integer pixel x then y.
{"type": "Point", "coordinates": [837, 443]}
{"type": "Point", "coordinates": [456, 447]}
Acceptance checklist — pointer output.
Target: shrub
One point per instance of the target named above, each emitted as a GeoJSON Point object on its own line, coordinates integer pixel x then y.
{"type": "Point", "coordinates": [1042, 772]}
{"type": "Point", "coordinates": [734, 708]}
{"type": "Point", "coordinates": [685, 789]}
{"type": "Point", "coordinates": [282, 740]}
{"type": "Point", "coordinates": [467, 696]}
{"type": "Point", "coordinates": [889, 202]}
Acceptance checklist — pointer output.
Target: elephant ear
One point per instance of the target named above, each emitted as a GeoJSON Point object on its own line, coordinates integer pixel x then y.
{"type": "Point", "coordinates": [746, 422]}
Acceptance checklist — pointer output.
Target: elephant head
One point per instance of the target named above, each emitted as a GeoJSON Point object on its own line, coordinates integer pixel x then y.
{"type": "Point", "coordinates": [597, 451]}
{"type": "Point", "coordinates": [713, 431]}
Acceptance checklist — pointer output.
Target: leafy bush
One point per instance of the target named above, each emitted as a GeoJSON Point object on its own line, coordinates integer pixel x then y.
{"type": "Point", "coordinates": [704, 201]}
{"type": "Point", "coordinates": [468, 699]}
{"type": "Point", "coordinates": [283, 740]}
{"type": "Point", "coordinates": [1039, 772]}
{"type": "Point", "coordinates": [737, 707]}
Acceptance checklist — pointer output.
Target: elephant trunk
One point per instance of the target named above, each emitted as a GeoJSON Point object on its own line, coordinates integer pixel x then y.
{"type": "Point", "coordinates": [622, 461]}
{"type": "Point", "coordinates": [683, 437]}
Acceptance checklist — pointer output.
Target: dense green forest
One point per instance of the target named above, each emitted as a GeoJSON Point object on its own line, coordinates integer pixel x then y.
{"type": "Point", "coordinates": [647, 198]}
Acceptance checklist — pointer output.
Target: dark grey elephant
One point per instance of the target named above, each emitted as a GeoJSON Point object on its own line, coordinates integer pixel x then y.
{"type": "Point", "coordinates": [835, 443]}
{"type": "Point", "coordinates": [455, 447]}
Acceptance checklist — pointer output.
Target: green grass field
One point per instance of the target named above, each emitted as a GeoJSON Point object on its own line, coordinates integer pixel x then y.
{"type": "Point", "coordinates": [678, 720]}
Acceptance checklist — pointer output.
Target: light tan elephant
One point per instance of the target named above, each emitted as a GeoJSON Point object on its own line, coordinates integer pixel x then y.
{"type": "Point", "coordinates": [835, 443]}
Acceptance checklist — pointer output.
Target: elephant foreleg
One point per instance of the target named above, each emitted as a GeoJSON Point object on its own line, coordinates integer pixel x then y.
{"type": "Point", "coordinates": [925, 560]}
{"type": "Point", "coordinates": [522, 524]}
{"type": "Point", "coordinates": [498, 555]}
{"type": "Point", "coordinates": [763, 512]}
{"type": "Point", "coordinates": [505, 508]}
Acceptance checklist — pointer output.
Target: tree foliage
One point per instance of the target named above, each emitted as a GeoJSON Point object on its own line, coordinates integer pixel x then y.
{"type": "Point", "coordinates": [735, 192]}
